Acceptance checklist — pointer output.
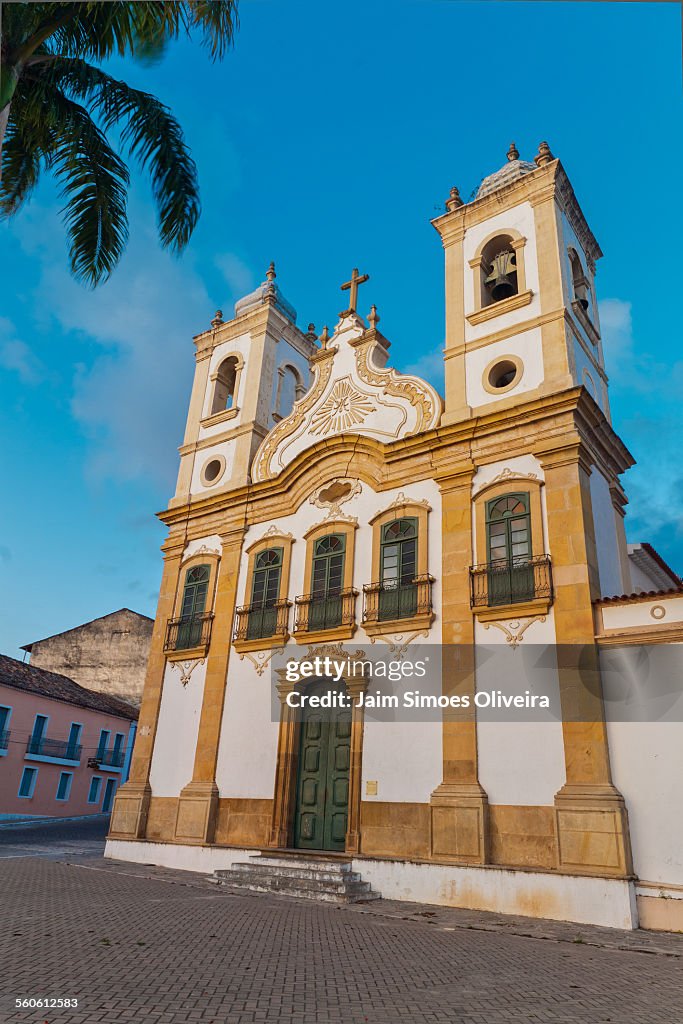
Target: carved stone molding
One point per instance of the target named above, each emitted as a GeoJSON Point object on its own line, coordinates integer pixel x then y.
{"type": "Point", "coordinates": [399, 501]}
{"type": "Point", "coordinates": [335, 494]}
{"type": "Point", "coordinates": [186, 668]}
{"type": "Point", "coordinates": [421, 395]}
{"type": "Point", "coordinates": [398, 643]}
{"type": "Point", "coordinates": [504, 476]}
{"type": "Point", "coordinates": [261, 659]}
{"type": "Point", "coordinates": [344, 407]}
{"type": "Point", "coordinates": [513, 629]}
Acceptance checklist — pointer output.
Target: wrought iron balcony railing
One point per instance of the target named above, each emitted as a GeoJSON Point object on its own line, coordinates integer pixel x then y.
{"type": "Point", "coordinates": [261, 621]}
{"type": "Point", "coordinates": [111, 758]}
{"type": "Point", "coordinates": [4, 739]}
{"type": "Point", "coordinates": [391, 599]}
{"type": "Point", "coordinates": [325, 611]}
{"type": "Point", "coordinates": [41, 747]}
{"type": "Point", "coordinates": [188, 632]}
{"type": "Point", "coordinates": [511, 581]}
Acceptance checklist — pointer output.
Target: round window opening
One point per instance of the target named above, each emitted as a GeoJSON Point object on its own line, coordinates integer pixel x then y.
{"type": "Point", "coordinates": [212, 470]}
{"type": "Point", "coordinates": [503, 374]}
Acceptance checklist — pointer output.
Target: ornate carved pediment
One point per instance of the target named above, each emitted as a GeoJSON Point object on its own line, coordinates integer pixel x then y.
{"type": "Point", "coordinates": [352, 393]}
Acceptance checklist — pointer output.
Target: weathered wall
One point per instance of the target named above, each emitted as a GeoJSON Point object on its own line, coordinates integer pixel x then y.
{"type": "Point", "coordinates": [108, 655]}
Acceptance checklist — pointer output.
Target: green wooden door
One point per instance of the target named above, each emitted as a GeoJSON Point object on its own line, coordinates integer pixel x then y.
{"type": "Point", "coordinates": [322, 792]}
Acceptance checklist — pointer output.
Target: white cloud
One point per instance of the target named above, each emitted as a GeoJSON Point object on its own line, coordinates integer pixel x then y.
{"type": "Point", "coordinates": [131, 399]}
{"type": "Point", "coordinates": [429, 367]}
{"type": "Point", "coordinates": [16, 356]}
{"type": "Point", "coordinates": [238, 275]}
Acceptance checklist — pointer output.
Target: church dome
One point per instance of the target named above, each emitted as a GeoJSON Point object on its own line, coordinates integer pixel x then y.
{"type": "Point", "coordinates": [266, 291]}
{"type": "Point", "coordinates": [508, 173]}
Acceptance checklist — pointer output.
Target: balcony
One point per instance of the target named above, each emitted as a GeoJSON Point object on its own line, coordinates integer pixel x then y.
{"type": "Point", "coordinates": [58, 750]}
{"type": "Point", "coordinates": [188, 637]}
{"type": "Point", "coordinates": [4, 740]}
{"type": "Point", "coordinates": [509, 584]}
{"type": "Point", "coordinates": [391, 604]}
{"type": "Point", "coordinates": [328, 616]}
{"type": "Point", "coordinates": [111, 758]}
{"type": "Point", "coordinates": [259, 626]}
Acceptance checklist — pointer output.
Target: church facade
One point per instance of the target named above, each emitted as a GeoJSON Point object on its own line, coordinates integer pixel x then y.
{"type": "Point", "coordinates": [327, 504]}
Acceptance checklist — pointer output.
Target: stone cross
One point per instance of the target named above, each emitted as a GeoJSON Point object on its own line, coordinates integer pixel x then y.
{"type": "Point", "coordinates": [352, 285]}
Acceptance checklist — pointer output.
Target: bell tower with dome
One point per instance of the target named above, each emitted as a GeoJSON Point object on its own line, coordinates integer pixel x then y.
{"type": "Point", "coordinates": [521, 315]}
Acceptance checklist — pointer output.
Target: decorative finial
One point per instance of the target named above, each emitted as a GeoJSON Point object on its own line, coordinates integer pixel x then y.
{"type": "Point", "coordinates": [373, 318]}
{"type": "Point", "coordinates": [454, 200]}
{"type": "Point", "coordinates": [512, 152]}
{"type": "Point", "coordinates": [324, 337]}
{"type": "Point", "coordinates": [310, 333]}
{"type": "Point", "coordinates": [270, 273]}
{"type": "Point", "coordinates": [544, 156]}
{"type": "Point", "coordinates": [217, 319]}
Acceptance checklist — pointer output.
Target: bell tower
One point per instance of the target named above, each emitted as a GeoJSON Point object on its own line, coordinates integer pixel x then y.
{"type": "Point", "coordinates": [521, 315]}
{"type": "Point", "coordinates": [241, 389]}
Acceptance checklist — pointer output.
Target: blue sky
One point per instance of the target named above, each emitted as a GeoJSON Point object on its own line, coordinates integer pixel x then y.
{"type": "Point", "coordinates": [328, 139]}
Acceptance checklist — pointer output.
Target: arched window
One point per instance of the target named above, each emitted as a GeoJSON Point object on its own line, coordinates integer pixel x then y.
{"type": "Point", "coordinates": [265, 592]}
{"type": "Point", "coordinates": [398, 569]}
{"type": "Point", "coordinates": [580, 285]}
{"type": "Point", "coordinates": [499, 270]}
{"type": "Point", "coordinates": [327, 582]}
{"type": "Point", "coordinates": [225, 381]}
{"type": "Point", "coordinates": [290, 388]}
{"type": "Point", "coordinates": [508, 535]}
{"type": "Point", "coordinates": [193, 606]}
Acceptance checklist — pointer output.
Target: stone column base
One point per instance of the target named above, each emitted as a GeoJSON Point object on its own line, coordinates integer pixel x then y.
{"type": "Point", "coordinates": [592, 830]}
{"type": "Point", "coordinates": [129, 815]}
{"type": "Point", "coordinates": [196, 813]}
{"type": "Point", "coordinates": [459, 822]}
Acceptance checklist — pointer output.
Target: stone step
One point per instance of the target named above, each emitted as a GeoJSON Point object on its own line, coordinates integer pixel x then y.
{"type": "Point", "coordinates": [301, 882]}
{"type": "Point", "coordinates": [307, 878]}
{"type": "Point", "coordinates": [295, 871]}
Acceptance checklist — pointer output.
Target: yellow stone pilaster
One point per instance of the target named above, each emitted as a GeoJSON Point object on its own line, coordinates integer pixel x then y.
{"type": "Point", "coordinates": [198, 801]}
{"type": "Point", "coordinates": [459, 806]}
{"type": "Point", "coordinates": [129, 815]}
{"type": "Point", "coordinates": [592, 822]}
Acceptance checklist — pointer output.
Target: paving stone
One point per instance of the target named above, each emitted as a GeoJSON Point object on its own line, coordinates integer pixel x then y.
{"type": "Point", "coordinates": [135, 942]}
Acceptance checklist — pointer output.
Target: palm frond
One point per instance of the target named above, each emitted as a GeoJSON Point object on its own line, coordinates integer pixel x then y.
{"type": "Point", "coordinates": [150, 132]}
{"type": "Point", "coordinates": [94, 182]}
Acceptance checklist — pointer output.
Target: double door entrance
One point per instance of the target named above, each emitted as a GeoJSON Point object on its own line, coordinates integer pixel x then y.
{"type": "Point", "coordinates": [322, 787]}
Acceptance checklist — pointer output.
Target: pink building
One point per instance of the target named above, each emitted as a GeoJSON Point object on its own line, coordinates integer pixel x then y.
{"type": "Point", "coordinates": [64, 750]}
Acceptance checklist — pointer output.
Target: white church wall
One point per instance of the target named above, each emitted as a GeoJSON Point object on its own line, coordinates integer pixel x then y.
{"type": "Point", "coordinates": [643, 613]}
{"type": "Point", "coordinates": [526, 346]}
{"type": "Point", "coordinates": [224, 450]}
{"type": "Point", "coordinates": [519, 218]}
{"type": "Point", "coordinates": [239, 347]}
{"type": "Point", "coordinates": [247, 752]}
{"type": "Point", "coordinates": [647, 769]}
{"type": "Point", "coordinates": [403, 758]}
{"type": "Point", "coordinates": [609, 565]}
{"type": "Point", "coordinates": [177, 730]}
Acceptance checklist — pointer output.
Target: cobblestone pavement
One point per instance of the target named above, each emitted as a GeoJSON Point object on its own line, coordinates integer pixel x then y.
{"type": "Point", "coordinates": [56, 838]}
{"type": "Point", "coordinates": [136, 943]}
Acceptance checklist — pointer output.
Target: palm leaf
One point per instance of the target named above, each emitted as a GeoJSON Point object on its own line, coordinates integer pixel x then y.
{"type": "Point", "coordinates": [150, 132]}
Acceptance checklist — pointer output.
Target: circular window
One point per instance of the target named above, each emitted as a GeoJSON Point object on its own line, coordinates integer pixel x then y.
{"type": "Point", "coordinates": [213, 470]}
{"type": "Point", "coordinates": [502, 374]}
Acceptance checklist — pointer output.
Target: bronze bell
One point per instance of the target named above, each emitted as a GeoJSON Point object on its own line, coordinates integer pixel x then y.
{"type": "Point", "coordinates": [581, 292]}
{"type": "Point", "coordinates": [500, 282]}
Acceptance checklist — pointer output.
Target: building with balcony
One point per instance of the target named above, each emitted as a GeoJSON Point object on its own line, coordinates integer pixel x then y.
{"type": "Point", "coordinates": [327, 504]}
{"type": "Point", "coordinates": [64, 750]}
